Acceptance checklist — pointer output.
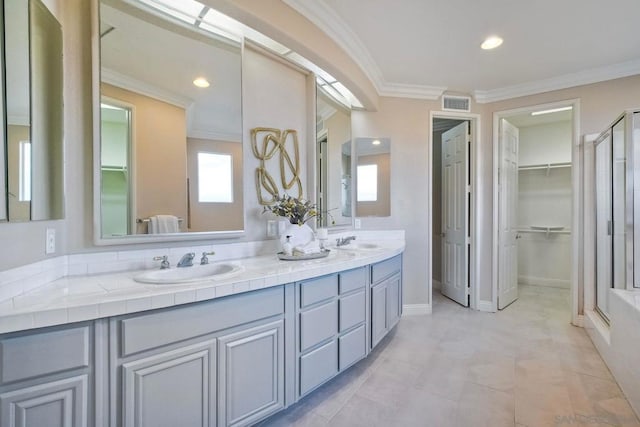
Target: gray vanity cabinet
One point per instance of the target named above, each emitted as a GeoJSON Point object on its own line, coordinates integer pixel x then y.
{"type": "Point", "coordinates": [251, 382]}
{"type": "Point", "coordinates": [46, 377]}
{"type": "Point", "coordinates": [386, 297]}
{"type": "Point", "coordinates": [195, 366]}
{"type": "Point", "coordinates": [332, 326]}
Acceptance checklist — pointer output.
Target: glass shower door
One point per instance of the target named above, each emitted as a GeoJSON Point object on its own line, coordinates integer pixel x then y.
{"type": "Point", "coordinates": [604, 223]}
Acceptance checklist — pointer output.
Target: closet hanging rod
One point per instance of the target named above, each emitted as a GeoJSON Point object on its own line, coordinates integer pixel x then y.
{"type": "Point", "coordinates": [145, 220]}
{"type": "Point", "coordinates": [528, 230]}
{"type": "Point", "coordinates": [545, 166]}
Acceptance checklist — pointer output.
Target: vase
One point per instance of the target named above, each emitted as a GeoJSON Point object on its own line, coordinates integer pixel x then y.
{"type": "Point", "coordinates": [300, 235]}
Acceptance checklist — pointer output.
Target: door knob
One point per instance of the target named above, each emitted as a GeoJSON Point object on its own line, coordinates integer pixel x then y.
{"type": "Point", "coordinates": [518, 236]}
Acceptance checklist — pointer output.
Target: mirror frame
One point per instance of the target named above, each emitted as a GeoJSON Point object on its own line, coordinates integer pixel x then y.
{"type": "Point", "coordinates": [313, 149]}
{"type": "Point", "coordinates": [98, 239]}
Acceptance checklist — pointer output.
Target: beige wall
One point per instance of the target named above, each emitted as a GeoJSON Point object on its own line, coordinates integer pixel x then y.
{"type": "Point", "coordinates": [160, 154]}
{"type": "Point", "coordinates": [382, 206]}
{"type": "Point", "coordinates": [406, 123]}
{"type": "Point", "coordinates": [278, 96]}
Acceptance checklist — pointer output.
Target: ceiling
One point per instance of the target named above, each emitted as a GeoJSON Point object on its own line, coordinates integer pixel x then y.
{"type": "Point", "coordinates": [421, 48]}
{"type": "Point", "coordinates": [150, 56]}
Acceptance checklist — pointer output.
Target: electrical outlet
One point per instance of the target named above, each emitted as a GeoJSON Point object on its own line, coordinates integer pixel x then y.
{"type": "Point", "coordinates": [357, 224]}
{"type": "Point", "coordinates": [272, 228]}
{"type": "Point", "coordinates": [50, 241]}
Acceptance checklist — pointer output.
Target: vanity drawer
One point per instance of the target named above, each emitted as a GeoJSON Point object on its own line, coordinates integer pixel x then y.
{"type": "Point", "coordinates": [352, 347]}
{"type": "Point", "coordinates": [353, 279]}
{"type": "Point", "coordinates": [352, 310]}
{"type": "Point", "coordinates": [48, 352]}
{"type": "Point", "coordinates": [318, 324]}
{"type": "Point", "coordinates": [316, 290]}
{"type": "Point", "coordinates": [318, 366]}
{"type": "Point", "coordinates": [148, 331]}
{"type": "Point", "coordinates": [386, 268]}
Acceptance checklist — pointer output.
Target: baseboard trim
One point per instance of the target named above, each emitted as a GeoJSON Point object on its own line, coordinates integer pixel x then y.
{"type": "Point", "coordinates": [579, 321]}
{"type": "Point", "coordinates": [485, 306]}
{"type": "Point", "coordinates": [416, 309]}
{"type": "Point", "coordinates": [543, 281]}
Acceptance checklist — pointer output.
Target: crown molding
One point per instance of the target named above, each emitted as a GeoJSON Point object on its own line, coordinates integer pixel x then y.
{"type": "Point", "coordinates": [129, 83]}
{"type": "Point", "coordinates": [325, 18]}
{"type": "Point", "coordinates": [402, 90]}
{"type": "Point", "coordinates": [595, 75]}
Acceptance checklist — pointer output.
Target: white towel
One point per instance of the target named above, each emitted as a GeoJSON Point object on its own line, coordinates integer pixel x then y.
{"type": "Point", "coordinates": [312, 247]}
{"type": "Point", "coordinates": [161, 224]}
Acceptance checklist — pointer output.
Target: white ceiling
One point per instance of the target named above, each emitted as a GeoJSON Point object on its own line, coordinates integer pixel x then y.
{"type": "Point", "coordinates": [420, 48]}
{"type": "Point", "coordinates": [160, 60]}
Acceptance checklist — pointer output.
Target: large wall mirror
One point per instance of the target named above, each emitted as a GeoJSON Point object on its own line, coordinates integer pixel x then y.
{"type": "Point", "coordinates": [333, 161]}
{"type": "Point", "coordinates": [170, 146]}
{"type": "Point", "coordinates": [34, 188]}
{"type": "Point", "coordinates": [373, 177]}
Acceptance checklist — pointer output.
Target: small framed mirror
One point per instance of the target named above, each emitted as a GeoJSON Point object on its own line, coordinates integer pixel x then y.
{"type": "Point", "coordinates": [373, 177]}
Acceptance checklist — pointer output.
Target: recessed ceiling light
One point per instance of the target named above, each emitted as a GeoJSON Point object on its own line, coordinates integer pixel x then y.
{"type": "Point", "coordinates": [552, 110]}
{"type": "Point", "coordinates": [201, 82]}
{"type": "Point", "coordinates": [376, 142]}
{"type": "Point", "coordinates": [491, 43]}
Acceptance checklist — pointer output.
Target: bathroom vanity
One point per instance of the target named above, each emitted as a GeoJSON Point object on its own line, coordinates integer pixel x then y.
{"type": "Point", "coordinates": [229, 360]}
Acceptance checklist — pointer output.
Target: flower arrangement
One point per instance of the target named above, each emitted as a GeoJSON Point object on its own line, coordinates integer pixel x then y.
{"type": "Point", "coordinates": [298, 211]}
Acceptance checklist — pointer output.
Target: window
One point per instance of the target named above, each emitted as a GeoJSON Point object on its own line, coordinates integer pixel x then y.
{"type": "Point", "coordinates": [367, 183]}
{"type": "Point", "coordinates": [215, 178]}
{"type": "Point", "coordinates": [24, 180]}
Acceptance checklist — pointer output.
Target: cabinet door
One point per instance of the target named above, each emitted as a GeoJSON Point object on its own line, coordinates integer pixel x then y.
{"type": "Point", "coordinates": [175, 388]}
{"type": "Point", "coordinates": [393, 302]}
{"type": "Point", "coordinates": [251, 366]}
{"type": "Point", "coordinates": [378, 313]}
{"type": "Point", "coordinates": [56, 404]}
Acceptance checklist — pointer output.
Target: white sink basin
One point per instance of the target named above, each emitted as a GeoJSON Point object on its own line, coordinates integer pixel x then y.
{"type": "Point", "coordinates": [360, 246]}
{"type": "Point", "coordinates": [196, 273]}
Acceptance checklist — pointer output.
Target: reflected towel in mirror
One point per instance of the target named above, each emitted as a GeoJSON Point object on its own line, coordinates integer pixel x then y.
{"type": "Point", "coordinates": [161, 224]}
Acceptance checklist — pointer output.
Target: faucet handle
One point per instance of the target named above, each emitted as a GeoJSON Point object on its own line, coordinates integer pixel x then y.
{"type": "Point", "coordinates": [205, 260]}
{"type": "Point", "coordinates": [165, 261]}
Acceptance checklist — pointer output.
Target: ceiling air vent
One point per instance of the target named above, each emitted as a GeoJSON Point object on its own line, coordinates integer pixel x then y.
{"type": "Point", "coordinates": [456, 103]}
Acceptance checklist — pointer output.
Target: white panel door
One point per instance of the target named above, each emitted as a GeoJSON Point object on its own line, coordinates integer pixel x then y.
{"type": "Point", "coordinates": [508, 232]}
{"type": "Point", "coordinates": [455, 213]}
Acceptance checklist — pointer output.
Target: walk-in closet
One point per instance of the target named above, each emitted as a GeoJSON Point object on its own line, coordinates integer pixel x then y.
{"type": "Point", "coordinates": [544, 198]}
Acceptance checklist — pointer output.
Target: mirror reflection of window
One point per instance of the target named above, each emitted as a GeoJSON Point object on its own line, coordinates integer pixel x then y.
{"type": "Point", "coordinates": [367, 183]}
{"type": "Point", "coordinates": [24, 193]}
{"type": "Point", "coordinates": [216, 169]}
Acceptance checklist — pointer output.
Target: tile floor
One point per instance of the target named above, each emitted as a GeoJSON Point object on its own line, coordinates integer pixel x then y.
{"type": "Point", "coordinates": [524, 366]}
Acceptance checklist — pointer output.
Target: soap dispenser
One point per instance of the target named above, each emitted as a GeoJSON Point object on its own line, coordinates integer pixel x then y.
{"type": "Point", "coordinates": [287, 247]}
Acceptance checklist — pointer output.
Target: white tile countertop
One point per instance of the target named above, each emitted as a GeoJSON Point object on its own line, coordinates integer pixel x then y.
{"type": "Point", "coordinates": [86, 297]}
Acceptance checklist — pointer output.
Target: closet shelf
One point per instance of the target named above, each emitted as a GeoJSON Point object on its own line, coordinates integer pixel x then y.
{"type": "Point", "coordinates": [546, 166]}
{"type": "Point", "coordinates": [109, 168]}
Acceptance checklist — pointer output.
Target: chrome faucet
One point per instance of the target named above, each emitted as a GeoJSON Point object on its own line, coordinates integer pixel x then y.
{"type": "Point", "coordinates": [186, 260]}
{"type": "Point", "coordinates": [344, 240]}
{"type": "Point", "coordinates": [205, 260]}
{"type": "Point", "coordinates": [165, 261]}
